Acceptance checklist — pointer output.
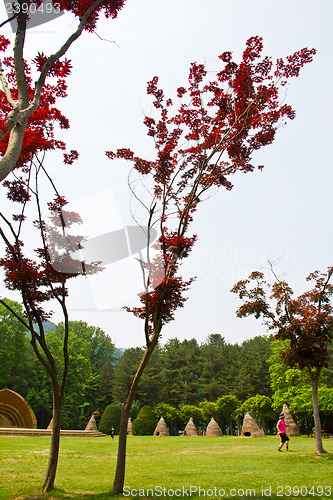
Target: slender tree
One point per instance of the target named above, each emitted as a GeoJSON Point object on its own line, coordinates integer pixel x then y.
{"type": "Point", "coordinates": [41, 279]}
{"type": "Point", "coordinates": [211, 134]}
{"type": "Point", "coordinates": [306, 322]}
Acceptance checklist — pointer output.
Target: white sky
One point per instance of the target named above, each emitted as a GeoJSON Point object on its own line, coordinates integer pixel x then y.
{"type": "Point", "coordinates": [282, 213]}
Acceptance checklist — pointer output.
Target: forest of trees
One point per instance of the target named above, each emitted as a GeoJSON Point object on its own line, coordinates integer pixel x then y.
{"type": "Point", "coordinates": [183, 379]}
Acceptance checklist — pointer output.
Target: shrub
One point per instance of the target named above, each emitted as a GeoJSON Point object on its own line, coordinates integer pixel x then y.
{"type": "Point", "coordinates": [110, 418]}
{"type": "Point", "coordinates": [145, 422]}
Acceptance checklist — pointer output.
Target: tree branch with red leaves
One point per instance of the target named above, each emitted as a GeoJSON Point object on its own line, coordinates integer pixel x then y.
{"type": "Point", "coordinates": [200, 142]}
{"type": "Point", "coordinates": [42, 279]}
{"type": "Point", "coordinates": [306, 322]}
{"type": "Point", "coordinates": [20, 103]}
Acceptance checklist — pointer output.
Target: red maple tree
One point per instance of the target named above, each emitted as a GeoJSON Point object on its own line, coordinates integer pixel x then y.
{"type": "Point", "coordinates": [20, 100]}
{"type": "Point", "coordinates": [210, 133]}
{"type": "Point", "coordinates": [305, 321]}
{"type": "Point", "coordinates": [40, 277]}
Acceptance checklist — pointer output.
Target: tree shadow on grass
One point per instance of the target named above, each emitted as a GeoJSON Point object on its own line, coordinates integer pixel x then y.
{"type": "Point", "coordinates": [65, 495]}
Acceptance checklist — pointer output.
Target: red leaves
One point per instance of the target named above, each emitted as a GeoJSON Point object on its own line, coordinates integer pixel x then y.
{"type": "Point", "coordinates": [79, 8]}
{"type": "Point", "coordinates": [294, 64]}
{"type": "Point", "coordinates": [235, 114]}
{"type": "Point", "coordinates": [17, 190]}
{"type": "Point", "coordinates": [57, 204]}
{"type": "Point", "coordinates": [39, 133]}
{"type": "Point", "coordinates": [157, 93]}
{"type": "Point", "coordinates": [70, 157]}
{"type": "Point", "coordinates": [3, 43]}
{"type": "Point", "coordinates": [163, 301]}
{"type": "Point", "coordinates": [173, 244]}
{"type": "Point", "coordinates": [181, 91]}
{"type": "Point", "coordinates": [254, 46]}
{"type": "Point", "coordinates": [60, 69]}
{"type": "Point", "coordinates": [306, 321]}
{"type": "Point", "coordinates": [199, 145]}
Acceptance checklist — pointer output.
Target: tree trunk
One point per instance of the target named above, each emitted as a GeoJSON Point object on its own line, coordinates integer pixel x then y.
{"type": "Point", "coordinates": [239, 425]}
{"type": "Point", "coordinates": [119, 479]}
{"type": "Point", "coordinates": [314, 376]}
{"type": "Point", "coordinates": [54, 446]}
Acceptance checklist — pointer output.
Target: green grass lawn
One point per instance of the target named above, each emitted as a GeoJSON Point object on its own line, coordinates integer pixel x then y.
{"type": "Point", "coordinates": [227, 467]}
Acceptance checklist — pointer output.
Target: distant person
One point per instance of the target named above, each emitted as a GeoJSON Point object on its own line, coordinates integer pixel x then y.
{"type": "Point", "coordinates": [112, 432]}
{"type": "Point", "coordinates": [282, 426]}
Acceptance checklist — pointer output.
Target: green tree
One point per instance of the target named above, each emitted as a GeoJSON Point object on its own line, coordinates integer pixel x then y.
{"type": "Point", "coordinates": [190, 411]}
{"type": "Point", "coordinates": [180, 370]}
{"type": "Point", "coordinates": [226, 408]}
{"type": "Point", "coordinates": [253, 375]}
{"type": "Point", "coordinates": [292, 386]}
{"type": "Point", "coordinates": [150, 383]}
{"type": "Point", "coordinates": [101, 346]}
{"type": "Point", "coordinates": [15, 350]}
{"type": "Point", "coordinates": [217, 367]}
{"type": "Point", "coordinates": [105, 385]}
{"type": "Point", "coordinates": [259, 407]}
{"type": "Point", "coordinates": [90, 349]}
{"type": "Point", "coordinates": [287, 383]}
{"type": "Point", "coordinates": [306, 322]}
{"type": "Point", "coordinates": [110, 418]}
{"type": "Point", "coordinates": [124, 373]}
{"type": "Point", "coordinates": [145, 422]}
{"type": "Point", "coordinates": [169, 413]}
{"type": "Point", "coordinates": [209, 410]}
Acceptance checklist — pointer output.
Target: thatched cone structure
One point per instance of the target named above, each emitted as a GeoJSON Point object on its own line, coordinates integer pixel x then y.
{"type": "Point", "coordinates": [292, 428]}
{"type": "Point", "coordinates": [49, 427]}
{"type": "Point", "coordinates": [190, 429]}
{"type": "Point", "coordinates": [91, 425]}
{"type": "Point", "coordinates": [129, 427]}
{"type": "Point", "coordinates": [161, 428]}
{"type": "Point", "coordinates": [213, 429]}
{"type": "Point", "coordinates": [250, 427]}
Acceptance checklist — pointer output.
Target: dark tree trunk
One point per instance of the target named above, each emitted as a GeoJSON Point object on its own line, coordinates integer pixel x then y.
{"type": "Point", "coordinates": [119, 479]}
{"type": "Point", "coordinates": [54, 446]}
{"type": "Point", "coordinates": [239, 425]}
{"type": "Point", "coordinates": [314, 376]}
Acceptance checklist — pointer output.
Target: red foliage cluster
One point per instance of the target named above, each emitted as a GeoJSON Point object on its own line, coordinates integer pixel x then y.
{"type": "Point", "coordinates": [173, 244]}
{"type": "Point", "coordinates": [80, 7]}
{"type": "Point", "coordinates": [160, 304]}
{"type": "Point", "coordinates": [306, 321]}
{"type": "Point", "coordinates": [200, 143]}
{"type": "Point", "coordinates": [233, 115]}
{"type": "Point", "coordinates": [39, 134]}
{"type": "Point", "coordinates": [44, 278]}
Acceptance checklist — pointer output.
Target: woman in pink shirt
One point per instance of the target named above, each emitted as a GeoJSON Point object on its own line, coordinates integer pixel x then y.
{"type": "Point", "coordinates": [281, 425]}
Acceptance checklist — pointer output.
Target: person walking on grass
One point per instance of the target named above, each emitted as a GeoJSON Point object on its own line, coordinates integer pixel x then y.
{"type": "Point", "coordinates": [282, 426]}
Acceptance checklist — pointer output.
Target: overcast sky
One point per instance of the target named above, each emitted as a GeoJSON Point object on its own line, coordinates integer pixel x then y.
{"type": "Point", "coordinates": [282, 214]}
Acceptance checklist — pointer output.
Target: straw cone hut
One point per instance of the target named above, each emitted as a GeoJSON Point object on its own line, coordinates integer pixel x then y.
{"type": "Point", "coordinates": [161, 428]}
{"type": "Point", "coordinates": [91, 425]}
{"type": "Point", "coordinates": [292, 428]}
{"type": "Point", "coordinates": [49, 427]}
{"type": "Point", "coordinates": [250, 427]}
{"type": "Point", "coordinates": [213, 429]}
{"type": "Point", "coordinates": [190, 429]}
{"type": "Point", "coordinates": [129, 427]}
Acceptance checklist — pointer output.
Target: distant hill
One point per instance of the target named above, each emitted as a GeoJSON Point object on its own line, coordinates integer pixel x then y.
{"type": "Point", "coordinates": [119, 351]}
{"type": "Point", "coordinates": [49, 326]}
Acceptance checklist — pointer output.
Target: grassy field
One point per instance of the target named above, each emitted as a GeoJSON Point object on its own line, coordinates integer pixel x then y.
{"type": "Point", "coordinates": [173, 467]}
